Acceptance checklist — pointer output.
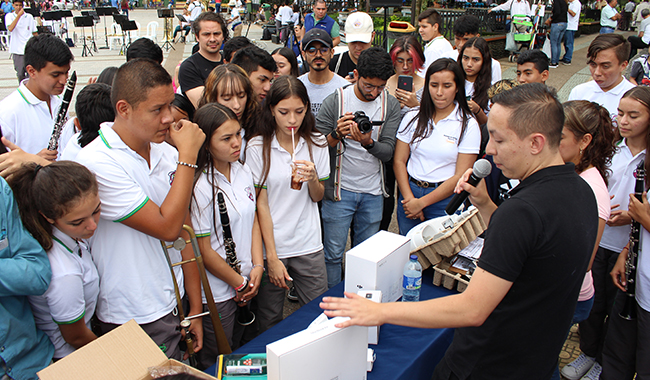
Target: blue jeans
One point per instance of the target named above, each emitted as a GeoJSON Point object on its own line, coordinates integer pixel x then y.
{"type": "Point", "coordinates": [430, 212]}
{"type": "Point", "coordinates": [557, 31]}
{"type": "Point", "coordinates": [364, 210]}
{"type": "Point", "coordinates": [568, 45]}
{"type": "Point", "coordinates": [606, 29]}
{"type": "Point", "coordinates": [583, 308]}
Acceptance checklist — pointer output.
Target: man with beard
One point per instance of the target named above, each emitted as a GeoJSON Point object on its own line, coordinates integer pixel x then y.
{"type": "Point", "coordinates": [320, 81]}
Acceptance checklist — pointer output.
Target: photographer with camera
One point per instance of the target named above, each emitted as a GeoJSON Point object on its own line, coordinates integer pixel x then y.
{"type": "Point", "coordinates": [360, 122]}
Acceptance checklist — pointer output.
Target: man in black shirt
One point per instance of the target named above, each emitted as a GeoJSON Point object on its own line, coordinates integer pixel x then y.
{"type": "Point", "coordinates": [558, 23]}
{"type": "Point", "coordinates": [514, 314]}
{"type": "Point", "coordinates": [211, 31]}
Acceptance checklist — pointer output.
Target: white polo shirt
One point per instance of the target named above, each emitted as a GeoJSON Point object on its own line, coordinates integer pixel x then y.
{"type": "Point", "coordinates": [592, 92]}
{"type": "Point", "coordinates": [433, 50]}
{"type": "Point", "coordinates": [26, 120]}
{"type": "Point", "coordinates": [296, 222]}
{"type": "Point", "coordinates": [433, 159]}
{"type": "Point", "coordinates": [72, 148]}
{"type": "Point", "coordinates": [72, 294]}
{"type": "Point", "coordinates": [620, 185]}
{"type": "Point", "coordinates": [496, 66]}
{"type": "Point", "coordinates": [239, 195]}
{"type": "Point", "coordinates": [135, 279]}
{"type": "Point", "coordinates": [24, 30]}
{"type": "Point", "coordinates": [573, 21]}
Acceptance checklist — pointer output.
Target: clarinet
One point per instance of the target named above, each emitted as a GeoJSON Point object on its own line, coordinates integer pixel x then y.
{"type": "Point", "coordinates": [629, 307]}
{"type": "Point", "coordinates": [61, 116]}
{"type": "Point", "coordinates": [245, 316]}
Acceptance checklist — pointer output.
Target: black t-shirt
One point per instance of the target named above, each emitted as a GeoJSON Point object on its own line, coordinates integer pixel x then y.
{"type": "Point", "coordinates": [560, 8]}
{"type": "Point", "coordinates": [346, 64]}
{"type": "Point", "coordinates": [194, 71]}
{"type": "Point", "coordinates": [541, 240]}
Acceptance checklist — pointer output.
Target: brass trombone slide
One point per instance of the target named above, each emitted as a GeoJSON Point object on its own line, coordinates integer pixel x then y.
{"type": "Point", "coordinates": [180, 244]}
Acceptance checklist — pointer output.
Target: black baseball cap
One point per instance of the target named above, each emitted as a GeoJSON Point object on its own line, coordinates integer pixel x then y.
{"type": "Point", "coordinates": [316, 34]}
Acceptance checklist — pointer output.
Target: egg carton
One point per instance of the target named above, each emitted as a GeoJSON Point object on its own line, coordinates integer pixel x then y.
{"type": "Point", "coordinates": [447, 279]}
{"type": "Point", "coordinates": [454, 233]}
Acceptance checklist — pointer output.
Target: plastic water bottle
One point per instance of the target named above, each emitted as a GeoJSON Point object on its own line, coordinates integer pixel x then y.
{"type": "Point", "coordinates": [412, 280]}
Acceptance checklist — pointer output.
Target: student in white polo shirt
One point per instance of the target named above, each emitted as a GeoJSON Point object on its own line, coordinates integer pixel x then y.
{"type": "Point", "coordinates": [60, 207]}
{"type": "Point", "coordinates": [220, 171]}
{"type": "Point", "coordinates": [287, 202]}
{"type": "Point", "coordinates": [431, 32]}
{"type": "Point", "coordinates": [27, 115]}
{"type": "Point", "coordinates": [145, 186]}
{"type": "Point", "coordinates": [607, 59]}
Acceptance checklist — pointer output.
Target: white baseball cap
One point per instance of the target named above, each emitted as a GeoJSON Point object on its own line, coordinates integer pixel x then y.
{"type": "Point", "coordinates": [358, 27]}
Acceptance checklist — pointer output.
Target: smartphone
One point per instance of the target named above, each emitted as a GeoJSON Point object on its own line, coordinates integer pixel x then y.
{"type": "Point", "coordinates": [351, 74]}
{"type": "Point", "coordinates": [405, 82]}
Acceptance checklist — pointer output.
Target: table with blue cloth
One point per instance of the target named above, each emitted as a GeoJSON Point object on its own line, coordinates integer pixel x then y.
{"type": "Point", "coordinates": [402, 353]}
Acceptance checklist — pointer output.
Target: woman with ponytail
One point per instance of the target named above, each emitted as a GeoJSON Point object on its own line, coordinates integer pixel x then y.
{"type": "Point", "coordinates": [59, 205]}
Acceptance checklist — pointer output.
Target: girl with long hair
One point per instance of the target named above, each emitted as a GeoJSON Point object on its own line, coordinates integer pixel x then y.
{"type": "Point", "coordinates": [435, 145]}
{"type": "Point", "coordinates": [477, 65]}
{"type": "Point", "coordinates": [587, 142]}
{"type": "Point", "coordinates": [408, 59]}
{"type": "Point", "coordinates": [229, 85]}
{"type": "Point", "coordinates": [289, 159]}
{"type": "Point", "coordinates": [59, 205]}
{"type": "Point", "coordinates": [631, 143]}
{"type": "Point", "coordinates": [286, 61]}
{"type": "Point", "coordinates": [220, 172]}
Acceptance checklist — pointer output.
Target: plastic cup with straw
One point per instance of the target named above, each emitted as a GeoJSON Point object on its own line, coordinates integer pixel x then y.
{"type": "Point", "coordinates": [296, 183]}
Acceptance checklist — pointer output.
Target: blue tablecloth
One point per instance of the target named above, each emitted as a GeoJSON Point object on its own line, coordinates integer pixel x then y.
{"type": "Point", "coordinates": [402, 353]}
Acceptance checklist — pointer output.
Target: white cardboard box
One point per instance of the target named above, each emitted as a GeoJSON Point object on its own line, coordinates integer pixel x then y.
{"type": "Point", "coordinates": [374, 296]}
{"type": "Point", "coordinates": [378, 264]}
{"type": "Point", "coordinates": [320, 352]}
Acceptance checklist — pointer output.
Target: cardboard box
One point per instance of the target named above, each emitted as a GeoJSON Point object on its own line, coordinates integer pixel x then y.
{"type": "Point", "coordinates": [378, 264]}
{"type": "Point", "coordinates": [125, 353]}
{"type": "Point", "coordinates": [374, 296]}
{"type": "Point", "coordinates": [320, 352]}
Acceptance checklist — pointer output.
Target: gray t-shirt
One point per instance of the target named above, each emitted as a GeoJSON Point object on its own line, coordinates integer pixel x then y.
{"type": "Point", "coordinates": [318, 92]}
{"type": "Point", "coordinates": [360, 169]}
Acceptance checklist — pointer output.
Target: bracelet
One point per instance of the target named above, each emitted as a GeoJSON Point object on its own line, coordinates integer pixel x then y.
{"type": "Point", "coordinates": [243, 285]}
{"type": "Point", "coordinates": [259, 265]}
{"type": "Point", "coordinates": [335, 134]}
{"type": "Point", "coordinates": [186, 164]}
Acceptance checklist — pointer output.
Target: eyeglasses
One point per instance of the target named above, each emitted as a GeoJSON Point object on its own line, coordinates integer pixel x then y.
{"type": "Point", "coordinates": [323, 50]}
{"type": "Point", "coordinates": [370, 88]}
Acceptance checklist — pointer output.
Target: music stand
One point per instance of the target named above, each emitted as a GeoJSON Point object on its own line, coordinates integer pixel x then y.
{"type": "Point", "coordinates": [33, 11]}
{"type": "Point", "coordinates": [95, 18]}
{"type": "Point", "coordinates": [83, 22]}
{"type": "Point", "coordinates": [167, 14]}
{"type": "Point", "coordinates": [55, 17]}
{"type": "Point", "coordinates": [106, 11]}
{"type": "Point", "coordinates": [127, 26]}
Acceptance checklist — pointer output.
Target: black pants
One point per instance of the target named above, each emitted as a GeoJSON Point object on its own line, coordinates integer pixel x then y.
{"type": "Point", "coordinates": [593, 329]}
{"type": "Point", "coordinates": [636, 43]}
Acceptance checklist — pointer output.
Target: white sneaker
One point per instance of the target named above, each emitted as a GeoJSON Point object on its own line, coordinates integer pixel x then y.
{"type": "Point", "coordinates": [579, 367]}
{"type": "Point", "coordinates": [594, 373]}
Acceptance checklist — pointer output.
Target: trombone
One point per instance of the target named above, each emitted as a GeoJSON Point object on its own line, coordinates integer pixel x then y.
{"type": "Point", "coordinates": [222, 341]}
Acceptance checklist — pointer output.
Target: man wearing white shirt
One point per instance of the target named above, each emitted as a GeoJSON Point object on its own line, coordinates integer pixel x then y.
{"type": "Point", "coordinates": [27, 115]}
{"type": "Point", "coordinates": [638, 17]}
{"type": "Point", "coordinates": [609, 17]}
{"type": "Point", "coordinates": [430, 23]}
{"type": "Point", "coordinates": [195, 10]}
{"type": "Point", "coordinates": [573, 19]}
{"type": "Point", "coordinates": [466, 27]}
{"type": "Point", "coordinates": [285, 13]}
{"type": "Point", "coordinates": [643, 39]}
{"type": "Point", "coordinates": [607, 59]}
{"type": "Point", "coordinates": [516, 8]}
{"type": "Point", "coordinates": [21, 27]}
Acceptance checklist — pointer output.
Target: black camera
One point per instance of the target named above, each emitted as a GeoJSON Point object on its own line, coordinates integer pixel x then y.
{"type": "Point", "coordinates": [363, 122]}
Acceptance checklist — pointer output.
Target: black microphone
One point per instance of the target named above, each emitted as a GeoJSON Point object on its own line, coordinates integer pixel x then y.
{"type": "Point", "coordinates": [482, 169]}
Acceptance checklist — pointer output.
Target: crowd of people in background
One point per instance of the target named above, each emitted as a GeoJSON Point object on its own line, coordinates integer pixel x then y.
{"type": "Point", "coordinates": [306, 149]}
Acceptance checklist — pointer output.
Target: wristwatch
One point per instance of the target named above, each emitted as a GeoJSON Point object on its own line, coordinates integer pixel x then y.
{"type": "Point", "coordinates": [335, 134]}
{"type": "Point", "coordinates": [370, 146]}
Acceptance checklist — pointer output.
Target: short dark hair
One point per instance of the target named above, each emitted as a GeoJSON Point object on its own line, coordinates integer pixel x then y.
{"type": "Point", "coordinates": [537, 57]}
{"type": "Point", "coordinates": [144, 48]}
{"type": "Point", "coordinates": [375, 63]}
{"type": "Point", "coordinates": [210, 16]}
{"type": "Point", "coordinates": [252, 57]}
{"type": "Point", "coordinates": [93, 107]}
{"type": "Point", "coordinates": [609, 41]}
{"type": "Point", "coordinates": [432, 17]}
{"type": "Point", "coordinates": [233, 45]}
{"type": "Point", "coordinates": [45, 48]}
{"type": "Point", "coordinates": [184, 104]}
{"type": "Point", "coordinates": [107, 75]}
{"type": "Point", "coordinates": [135, 78]}
{"type": "Point", "coordinates": [534, 108]}
{"type": "Point", "coordinates": [466, 24]}
{"type": "Point", "coordinates": [17, 1]}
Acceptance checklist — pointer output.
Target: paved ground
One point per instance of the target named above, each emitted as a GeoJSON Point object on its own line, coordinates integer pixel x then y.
{"type": "Point", "coordinates": [563, 79]}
